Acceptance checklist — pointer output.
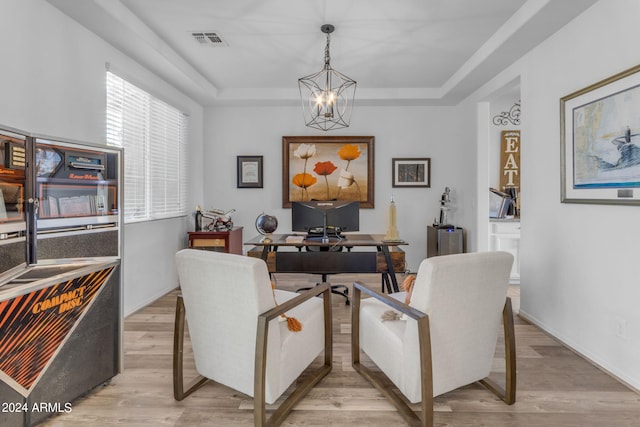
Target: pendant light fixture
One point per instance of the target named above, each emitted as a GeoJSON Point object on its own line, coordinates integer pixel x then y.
{"type": "Point", "coordinates": [327, 96]}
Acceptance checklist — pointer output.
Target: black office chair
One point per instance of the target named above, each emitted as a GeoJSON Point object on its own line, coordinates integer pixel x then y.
{"type": "Point", "coordinates": [335, 289]}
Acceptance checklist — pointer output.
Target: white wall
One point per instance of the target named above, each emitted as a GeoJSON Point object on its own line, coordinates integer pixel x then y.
{"type": "Point", "coordinates": [579, 274]}
{"type": "Point", "coordinates": [52, 81]}
{"type": "Point", "coordinates": [579, 262]}
{"type": "Point", "coordinates": [434, 132]}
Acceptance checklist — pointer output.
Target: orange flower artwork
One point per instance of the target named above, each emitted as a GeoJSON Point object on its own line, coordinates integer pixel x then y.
{"type": "Point", "coordinates": [304, 152]}
{"type": "Point", "coordinates": [343, 163]}
{"type": "Point", "coordinates": [348, 152]}
{"type": "Point", "coordinates": [324, 169]}
{"type": "Point", "coordinates": [304, 180]}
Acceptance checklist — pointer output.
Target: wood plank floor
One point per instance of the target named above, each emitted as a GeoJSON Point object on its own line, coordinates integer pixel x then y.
{"type": "Point", "coordinates": [555, 386]}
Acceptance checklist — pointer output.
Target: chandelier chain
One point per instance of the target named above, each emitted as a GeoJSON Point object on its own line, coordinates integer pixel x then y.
{"type": "Point", "coordinates": [327, 56]}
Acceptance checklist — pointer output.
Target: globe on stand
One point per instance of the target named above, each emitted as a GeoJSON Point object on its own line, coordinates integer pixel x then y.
{"type": "Point", "coordinates": [266, 225]}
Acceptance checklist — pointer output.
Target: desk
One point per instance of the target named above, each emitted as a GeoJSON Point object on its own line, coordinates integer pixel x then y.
{"type": "Point", "coordinates": [387, 258]}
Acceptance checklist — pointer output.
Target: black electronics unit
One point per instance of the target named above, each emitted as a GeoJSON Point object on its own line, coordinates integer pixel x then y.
{"type": "Point", "coordinates": [445, 240]}
{"type": "Point", "coordinates": [331, 217]}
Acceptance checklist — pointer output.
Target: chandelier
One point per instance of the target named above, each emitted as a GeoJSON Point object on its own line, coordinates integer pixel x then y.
{"type": "Point", "coordinates": [327, 96]}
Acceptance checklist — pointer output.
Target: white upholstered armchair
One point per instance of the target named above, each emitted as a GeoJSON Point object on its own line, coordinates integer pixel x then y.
{"type": "Point", "coordinates": [236, 333]}
{"type": "Point", "coordinates": [445, 338]}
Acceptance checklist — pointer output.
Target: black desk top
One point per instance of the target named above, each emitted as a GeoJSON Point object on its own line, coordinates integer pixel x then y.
{"type": "Point", "coordinates": [345, 240]}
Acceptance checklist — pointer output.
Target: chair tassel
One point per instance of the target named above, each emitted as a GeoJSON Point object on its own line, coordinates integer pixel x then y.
{"type": "Point", "coordinates": [407, 286]}
{"type": "Point", "coordinates": [390, 315]}
{"type": "Point", "coordinates": [293, 324]}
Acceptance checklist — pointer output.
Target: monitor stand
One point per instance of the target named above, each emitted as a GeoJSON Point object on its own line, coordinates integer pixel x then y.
{"type": "Point", "coordinates": [325, 238]}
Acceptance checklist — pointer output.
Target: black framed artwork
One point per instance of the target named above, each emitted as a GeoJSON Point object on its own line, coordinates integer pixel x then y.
{"type": "Point", "coordinates": [249, 170]}
{"type": "Point", "coordinates": [411, 172]}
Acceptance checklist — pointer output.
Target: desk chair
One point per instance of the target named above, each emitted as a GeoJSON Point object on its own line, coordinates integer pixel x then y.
{"type": "Point", "coordinates": [335, 289]}
{"type": "Point", "coordinates": [445, 338]}
{"type": "Point", "coordinates": [237, 337]}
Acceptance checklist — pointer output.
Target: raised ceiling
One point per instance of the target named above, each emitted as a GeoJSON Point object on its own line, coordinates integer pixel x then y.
{"type": "Point", "coordinates": [430, 52]}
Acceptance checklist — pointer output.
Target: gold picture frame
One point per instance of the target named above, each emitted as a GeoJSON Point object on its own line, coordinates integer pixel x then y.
{"type": "Point", "coordinates": [328, 168]}
{"type": "Point", "coordinates": [600, 142]}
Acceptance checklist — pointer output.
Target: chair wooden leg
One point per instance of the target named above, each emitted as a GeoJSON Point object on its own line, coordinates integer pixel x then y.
{"type": "Point", "coordinates": [508, 395]}
{"type": "Point", "coordinates": [259, 407]}
{"type": "Point", "coordinates": [179, 392]}
{"type": "Point", "coordinates": [301, 390]}
{"type": "Point", "coordinates": [426, 371]}
{"type": "Point", "coordinates": [379, 379]}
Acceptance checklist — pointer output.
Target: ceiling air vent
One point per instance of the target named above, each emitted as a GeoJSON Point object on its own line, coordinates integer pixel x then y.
{"type": "Point", "coordinates": [208, 38]}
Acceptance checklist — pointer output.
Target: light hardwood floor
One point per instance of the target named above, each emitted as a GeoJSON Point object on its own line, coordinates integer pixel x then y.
{"type": "Point", "coordinates": [555, 386]}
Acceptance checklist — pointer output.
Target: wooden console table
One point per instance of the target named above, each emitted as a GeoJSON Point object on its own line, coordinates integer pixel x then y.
{"type": "Point", "coordinates": [223, 241]}
{"type": "Point", "coordinates": [289, 257]}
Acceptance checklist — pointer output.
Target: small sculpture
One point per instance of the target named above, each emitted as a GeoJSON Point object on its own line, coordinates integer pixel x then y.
{"type": "Point", "coordinates": [445, 202]}
{"type": "Point", "coordinates": [392, 229]}
{"type": "Point", "coordinates": [198, 219]}
{"type": "Point", "coordinates": [219, 220]}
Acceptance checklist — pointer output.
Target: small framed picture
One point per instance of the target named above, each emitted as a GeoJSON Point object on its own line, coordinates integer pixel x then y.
{"type": "Point", "coordinates": [249, 171]}
{"type": "Point", "coordinates": [411, 172]}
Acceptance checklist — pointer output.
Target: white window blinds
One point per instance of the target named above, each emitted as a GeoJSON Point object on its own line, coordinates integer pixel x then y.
{"type": "Point", "coordinates": [154, 137]}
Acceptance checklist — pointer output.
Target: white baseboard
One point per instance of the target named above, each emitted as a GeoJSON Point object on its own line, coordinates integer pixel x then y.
{"type": "Point", "coordinates": [151, 299]}
{"type": "Point", "coordinates": [585, 354]}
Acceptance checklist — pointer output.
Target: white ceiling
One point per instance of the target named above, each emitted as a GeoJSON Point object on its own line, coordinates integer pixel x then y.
{"type": "Point", "coordinates": [430, 52]}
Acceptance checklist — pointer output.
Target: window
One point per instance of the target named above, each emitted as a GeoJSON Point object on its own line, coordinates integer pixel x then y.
{"type": "Point", "coordinates": [154, 137]}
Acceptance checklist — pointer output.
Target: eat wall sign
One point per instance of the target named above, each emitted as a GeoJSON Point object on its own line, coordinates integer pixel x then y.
{"type": "Point", "coordinates": [510, 160]}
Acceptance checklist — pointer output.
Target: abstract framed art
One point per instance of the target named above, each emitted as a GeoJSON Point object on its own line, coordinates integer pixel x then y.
{"type": "Point", "coordinates": [328, 168]}
{"type": "Point", "coordinates": [600, 142]}
{"type": "Point", "coordinates": [411, 172]}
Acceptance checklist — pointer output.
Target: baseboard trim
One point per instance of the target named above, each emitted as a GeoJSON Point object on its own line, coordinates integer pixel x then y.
{"type": "Point", "coordinates": [578, 351]}
{"type": "Point", "coordinates": [151, 299]}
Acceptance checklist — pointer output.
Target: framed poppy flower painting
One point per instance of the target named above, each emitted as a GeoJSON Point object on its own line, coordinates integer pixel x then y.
{"type": "Point", "coordinates": [327, 168]}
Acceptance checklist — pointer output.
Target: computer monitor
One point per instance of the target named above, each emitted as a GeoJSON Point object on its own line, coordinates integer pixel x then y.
{"type": "Point", "coordinates": [326, 218]}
